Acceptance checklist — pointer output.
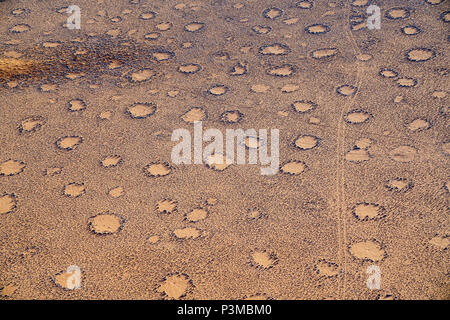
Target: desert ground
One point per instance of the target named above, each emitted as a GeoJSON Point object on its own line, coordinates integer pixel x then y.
{"type": "Point", "coordinates": [88, 188]}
